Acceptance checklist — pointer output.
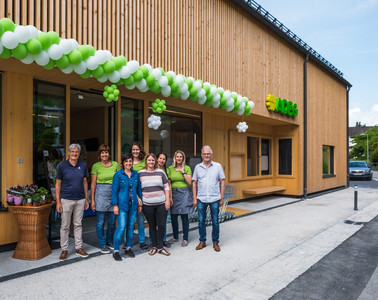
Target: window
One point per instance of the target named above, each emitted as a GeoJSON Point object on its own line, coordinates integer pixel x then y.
{"type": "Point", "coordinates": [131, 123]}
{"type": "Point", "coordinates": [255, 148]}
{"type": "Point", "coordinates": [49, 131]}
{"type": "Point", "coordinates": [328, 160]}
{"type": "Point", "coordinates": [284, 156]}
{"type": "Point", "coordinates": [265, 157]}
{"type": "Point", "coordinates": [181, 129]}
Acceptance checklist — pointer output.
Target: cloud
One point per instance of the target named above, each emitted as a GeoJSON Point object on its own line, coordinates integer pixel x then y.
{"type": "Point", "coordinates": [364, 5]}
{"type": "Point", "coordinates": [368, 116]}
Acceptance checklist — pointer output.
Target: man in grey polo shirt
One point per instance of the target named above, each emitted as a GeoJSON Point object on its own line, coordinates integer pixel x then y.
{"type": "Point", "coordinates": [208, 190]}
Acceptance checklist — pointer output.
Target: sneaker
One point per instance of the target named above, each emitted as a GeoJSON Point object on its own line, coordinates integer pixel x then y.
{"type": "Point", "coordinates": [166, 244]}
{"type": "Point", "coordinates": [124, 247]}
{"type": "Point", "coordinates": [171, 241]}
{"type": "Point", "coordinates": [110, 246]}
{"type": "Point", "coordinates": [116, 256]}
{"type": "Point", "coordinates": [184, 243]}
{"type": "Point", "coordinates": [143, 246]}
{"type": "Point", "coordinates": [105, 250]}
{"type": "Point", "coordinates": [130, 253]}
{"type": "Point", "coordinates": [81, 252]}
{"type": "Point", "coordinates": [63, 255]}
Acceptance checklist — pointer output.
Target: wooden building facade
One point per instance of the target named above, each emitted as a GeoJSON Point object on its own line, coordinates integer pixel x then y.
{"type": "Point", "coordinates": [226, 43]}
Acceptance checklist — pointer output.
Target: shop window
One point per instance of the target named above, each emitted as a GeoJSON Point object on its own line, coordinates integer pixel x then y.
{"type": "Point", "coordinates": [181, 129]}
{"type": "Point", "coordinates": [284, 156]}
{"type": "Point", "coordinates": [328, 161]}
{"type": "Point", "coordinates": [265, 157]}
{"type": "Point", "coordinates": [131, 123]}
{"type": "Point", "coordinates": [49, 131]}
{"type": "Point", "coordinates": [252, 156]}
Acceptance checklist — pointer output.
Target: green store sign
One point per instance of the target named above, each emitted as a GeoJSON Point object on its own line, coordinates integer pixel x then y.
{"type": "Point", "coordinates": [282, 106]}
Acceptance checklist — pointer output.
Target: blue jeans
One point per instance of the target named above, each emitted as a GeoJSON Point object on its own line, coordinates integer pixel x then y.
{"type": "Point", "coordinates": [101, 215]}
{"type": "Point", "coordinates": [214, 210]}
{"type": "Point", "coordinates": [140, 220]}
{"type": "Point", "coordinates": [185, 226]}
{"type": "Point", "coordinates": [125, 223]}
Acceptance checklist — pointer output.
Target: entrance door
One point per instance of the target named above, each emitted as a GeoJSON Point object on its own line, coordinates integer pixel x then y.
{"type": "Point", "coordinates": [92, 124]}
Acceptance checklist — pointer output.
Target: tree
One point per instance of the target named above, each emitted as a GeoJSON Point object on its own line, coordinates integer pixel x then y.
{"type": "Point", "coordinates": [358, 150]}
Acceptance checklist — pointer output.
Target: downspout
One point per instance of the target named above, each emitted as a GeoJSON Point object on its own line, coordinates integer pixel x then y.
{"type": "Point", "coordinates": [347, 126]}
{"type": "Point", "coordinates": [305, 128]}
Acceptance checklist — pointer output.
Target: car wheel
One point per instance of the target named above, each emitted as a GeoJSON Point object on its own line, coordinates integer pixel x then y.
{"type": "Point", "coordinates": [370, 178]}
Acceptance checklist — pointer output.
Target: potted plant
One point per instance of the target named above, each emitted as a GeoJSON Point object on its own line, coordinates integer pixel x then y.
{"type": "Point", "coordinates": [42, 192]}
{"type": "Point", "coordinates": [15, 194]}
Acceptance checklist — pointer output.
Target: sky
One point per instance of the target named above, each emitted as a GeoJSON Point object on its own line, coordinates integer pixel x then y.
{"type": "Point", "coordinates": [345, 32]}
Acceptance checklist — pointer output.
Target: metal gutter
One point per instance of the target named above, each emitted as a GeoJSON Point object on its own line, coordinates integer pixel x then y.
{"type": "Point", "coordinates": [305, 127]}
{"type": "Point", "coordinates": [347, 126]}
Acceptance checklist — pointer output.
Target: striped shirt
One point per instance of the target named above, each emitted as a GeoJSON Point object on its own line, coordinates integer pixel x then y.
{"type": "Point", "coordinates": [154, 183]}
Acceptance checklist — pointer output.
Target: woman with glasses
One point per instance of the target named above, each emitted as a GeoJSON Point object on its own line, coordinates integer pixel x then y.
{"type": "Point", "coordinates": [125, 192]}
{"type": "Point", "coordinates": [101, 194]}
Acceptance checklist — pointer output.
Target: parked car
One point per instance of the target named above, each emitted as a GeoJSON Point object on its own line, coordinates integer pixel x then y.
{"type": "Point", "coordinates": [360, 169]}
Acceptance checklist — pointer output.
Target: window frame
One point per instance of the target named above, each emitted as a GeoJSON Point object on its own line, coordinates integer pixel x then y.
{"type": "Point", "coordinates": [278, 155]}
{"type": "Point", "coordinates": [331, 161]}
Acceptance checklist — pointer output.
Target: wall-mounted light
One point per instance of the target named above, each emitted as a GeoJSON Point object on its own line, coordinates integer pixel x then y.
{"type": "Point", "coordinates": [80, 96]}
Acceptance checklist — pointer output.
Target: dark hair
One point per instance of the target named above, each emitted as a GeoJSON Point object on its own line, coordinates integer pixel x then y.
{"type": "Point", "coordinates": [142, 153]}
{"type": "Point", "coordinates": [101, 148]}
{"type": "Point", "coordinates": [125, 157]}
{"type": "Point", "coordinates": [166, 157]}
{"type": "Point", "coordinates": [154, 156]}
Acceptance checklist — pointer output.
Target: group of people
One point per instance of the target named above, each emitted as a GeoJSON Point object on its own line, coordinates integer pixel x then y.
{"type": "Point", "coordinates": [141, 188]}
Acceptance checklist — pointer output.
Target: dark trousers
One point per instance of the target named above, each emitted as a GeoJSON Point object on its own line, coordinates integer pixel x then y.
{"type": "Point", "coordinates": [156, 217]}
{"type": "Point", "coordinates": [185, 226]}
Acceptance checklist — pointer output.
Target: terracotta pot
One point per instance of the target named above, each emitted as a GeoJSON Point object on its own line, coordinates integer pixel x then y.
{"type": "Point", "coordinates": [28, 204]}
{"type": "Point", "coordinates": [43, 202]}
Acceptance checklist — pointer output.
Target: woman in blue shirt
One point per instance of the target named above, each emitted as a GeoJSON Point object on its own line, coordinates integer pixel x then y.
{"type": "Point", "coordinates": [126, 189]}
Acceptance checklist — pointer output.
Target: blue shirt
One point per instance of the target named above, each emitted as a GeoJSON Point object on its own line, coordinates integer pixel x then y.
{"type": "Point", "coordinates": [123, 186]}
{"type": "Point", "coordinates": [72, 178]}
{"type": "Point", "coordinates": [208, 179]}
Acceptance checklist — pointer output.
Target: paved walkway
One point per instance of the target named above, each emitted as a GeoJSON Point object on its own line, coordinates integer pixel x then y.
{"type": "Point", "coordinates": [262, 254]}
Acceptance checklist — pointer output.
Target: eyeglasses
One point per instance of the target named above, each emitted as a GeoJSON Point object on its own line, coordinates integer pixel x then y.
{"type": "Point", "coordinates": [206, 154]}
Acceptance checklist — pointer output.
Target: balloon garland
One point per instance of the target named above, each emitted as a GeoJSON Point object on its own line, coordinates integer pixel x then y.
{"type": "Point", "coordinates": [159, 106]}
{"type": "Point", "coordinates": [29, 45]}
{"type": "Point", "coordinates": [111, 93]}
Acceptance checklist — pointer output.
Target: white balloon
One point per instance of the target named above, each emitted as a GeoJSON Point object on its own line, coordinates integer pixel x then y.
{"type": "Point", "coordinates": [133, 65]}
{"type": "Point", "coordinates": [206, 84]}
{"type": "Point", "coordinates": [80, 68]}
{"type": "Point", "coordinates": [74, 43]}
{"type": "Point", "coordinates": [216, 104]}
{"type": "Point", "coordinates": [124, 72]}
{"type": "Point", "coordinates": [141, 84]}
{"type": "Point", "coordinates": [185, 95]}
{"type": "Point", "coordinates": [28, 59]}
{"type": "Point", "coordinates": [166, 91]}
{"type": "Point", "coordinates": [103, 78]}
{"type": "Point", "coordinates": [33, 32]}
{"type": "Point", "coordinates": [22, 34]}
{"type": "Point", "coordinates": [180, 80]}
{"type": "Point", "coordinates": [156, 127]}
{"type": "Point", "coordinates": [67, 70]}
{"type": "Point", "coordinates": [92, 63]}
{"type": "Point", "coordinates": [240, 111]}
{"type": "Point", "coordinates": [201, 93]}
{"type": "Point", "coordinates": [143, 90]}
{"type": "Point", "coordinates": [55, 52]}
{"type": "Point", "coordinates": [66, 46]}
{"type": "Point", "coordinates": [9, 40]}
{"type": "Point", "coordinates": [242, 105]}
{"type": "Point", "coordinates": [42, 58]}
{"type": "Point", "coordinates": [229, 107]}
{"type": "Point", "coordinates": [227, 94]}
{"type": "Point", "coordinates": [114, 77]}
{"type": "Point", "coordinates": [214, 90]}
{"type": "Point", "coordinates": [100, 56]}
{"type": "Point", "coordinates": [172, 73]}
{"type": "Point", "coordinates": [157, 73]}
{"type": "Point", "coordinates": [217, 97]}
{"type": "Point", "coordinates": [251, 104]}
{"type": "Point", "coordinates": [108, 54]}
{"type": "Point", "coordinates": [131, 86]}
{"type": "Point", "coordinates": [164, 133]}
{"type": "Point", "coordinates": [148, 67]}
{"type": "Point", "coordinates": [197, 84]}
{"type": "Point", "coordinates": [202, 100]}
{"type": "Point", "coordinates": [230, 102]}
{"type": "Point", "coordinates": [184, 88]}
{"type": "Point", "coordinates": [163, 81]}
{"type": "Point", "coordinates": [220, 89]}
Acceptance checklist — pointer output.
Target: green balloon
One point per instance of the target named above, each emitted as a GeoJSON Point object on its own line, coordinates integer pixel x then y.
{"type": "Point", "coordinates": [247, 110]}
{"type": "Point", "coordinates": [8, 24]}
{"type": "Point", "coordinates": [87, 74]}
{"type": "Point", "coordinates": [162, 71]}
{"type": "Point", "coordinates": [209, 102]}
{"type": "Point", "coordinates": [123, 60]}
{"type": "Point", "coordinates": [1, 29]}
{"type": "Point", "coordinates": [116, 98]}
{"type": "Point", "coordinates": [50, 65]}
{"type": "Point", "coordinates": [236, 106]}
{"type": "Point", "coordinates": [188, 82]}
{"type": "Point", "coordinates": [155, 88]}
{"type": "Point", "coordinates": [129, 80]}
{"type": "Point", "coordinates": [163, 101]}
{"type": "Point", "coordinates": [150, 79]}
{"type": "Point", "coordinates": [117, 63]}
{"type": "Point", "coordinates": [75, 57]}
{"type": "Point", "coordinates": [175, 87]}
{"type": "Point", "coordinates": [20, 52]}
{"type": "Point", "coordinates": [159, 110]}
{"type": "Point", "coordinates": [210, 96]}
{"type": "Point", "coordinates": [194, 98]}
{"type": "Point", "coordinates": [34, 46]}
{"type": "Point", "coordinates": [45, 40]}
{"type": "Point", "coordinates": [91, 50]}
{"type": "Point", "coordinates": [193, 91]}
{"type": "Point", "coordinates": [55, 38]}
{"type": "Point", "coordinates": [99, 72]}
{"type": "Point", "coordinates": [110, 90]}
{"type": "Point", "coordinates": [113, 86]}
{"type": "Point", "coordinates": [105, 94]}
{"type": "Point", "coordinates": [116, 92]}
{"type": "Point", "coordinates": [164, 107]}
{"type": "Point", "coordinates": [175, 94]}
{"type": "Point", "coordinates": [223, 102]}
{"type": "Point", "coordinates": [111, 97]}
{"type": "Point", "coordinates": [206, 88]}
{"type": "Point", "coordinates": [109, 67]}
{"type": "Point", "coordinates": [85, 51]}
{"type": "Point", "coordinates": [220, 92]}
{"type": "Point", "coordinates": [144, 70]}
{"type": "Point", "coordinates": [108, 100]}
{"type": "Point", "coordinates": [170, 78]}
{"type": "Point", "coordinates": [138, 75]}
{"type": "Point", "coordinates": [63, 62]}
{"type": "Point", "coordinates": [6, 53]}
{"type": "Point", "coordinates": [154, 105]}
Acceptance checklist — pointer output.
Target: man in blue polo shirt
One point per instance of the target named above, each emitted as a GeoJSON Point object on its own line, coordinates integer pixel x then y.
{"type": "Point", "coordinates": [208, 190]}
{"type": "Point", "coordinates": [71, 191]}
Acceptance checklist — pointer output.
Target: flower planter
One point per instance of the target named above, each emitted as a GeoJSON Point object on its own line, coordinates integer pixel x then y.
{"type": "Point", "coordinates": [32, 221]}
{"type": "Point", "coordinates": [17, 200]}
{"type": "Point", "coordinates": [10, 198]}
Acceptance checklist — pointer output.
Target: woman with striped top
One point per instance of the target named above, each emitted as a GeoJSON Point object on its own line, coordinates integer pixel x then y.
{"type": "Point", "coordinates": [156, 202]}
